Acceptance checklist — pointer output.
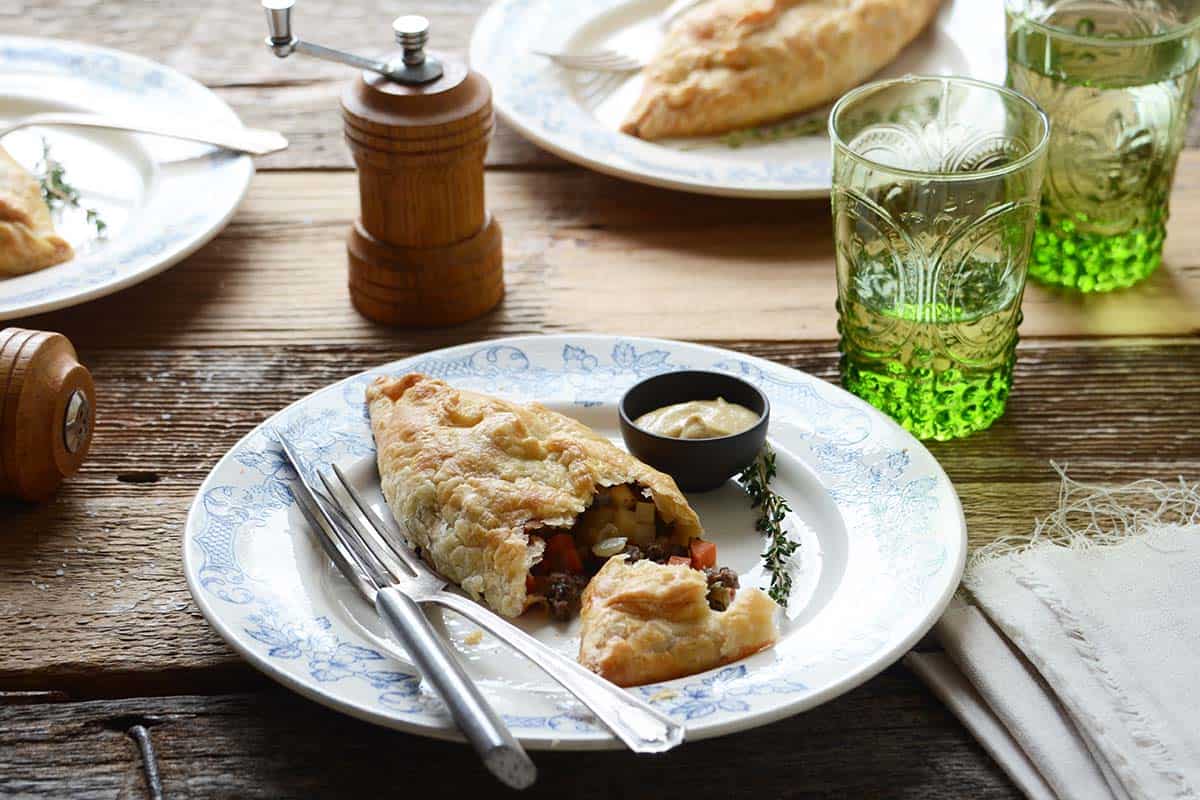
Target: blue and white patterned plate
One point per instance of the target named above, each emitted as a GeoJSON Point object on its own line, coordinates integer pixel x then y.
{"type": "Point", "coordinates": [881, 531]}
{"type": "Point", "coordinates": [161, 199]}
{"type": "Point", "coordinates": [576, 116]}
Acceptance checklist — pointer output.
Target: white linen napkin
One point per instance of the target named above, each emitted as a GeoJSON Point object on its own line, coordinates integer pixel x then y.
{"type": "Point", "coordinates": [1085, 645]}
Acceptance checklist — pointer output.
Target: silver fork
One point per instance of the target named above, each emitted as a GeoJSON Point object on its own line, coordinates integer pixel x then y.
{"type": "Point", "coordinates": [501, 753]}
{"type": "Point", "coordinates": [643, 728]}
{"type": "Point", "coordinates": [613, 59]}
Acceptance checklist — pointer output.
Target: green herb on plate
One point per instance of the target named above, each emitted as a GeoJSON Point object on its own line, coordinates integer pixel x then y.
{"type": "Point", "coordinates": [764, 134]}
{"type": "Point", "coordinates": [773, 508]}
{"type": "Point", "coordinates": [57, 193]}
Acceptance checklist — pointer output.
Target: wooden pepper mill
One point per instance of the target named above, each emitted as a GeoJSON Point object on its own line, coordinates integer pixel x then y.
{"type": "Point", "coordinates": [47, 412]}
{"type": "Point", "coordinates": [424, 250]}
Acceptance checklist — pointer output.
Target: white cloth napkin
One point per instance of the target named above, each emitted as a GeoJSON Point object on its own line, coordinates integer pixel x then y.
{"type": "Point", "coordinates": [1085, 646]}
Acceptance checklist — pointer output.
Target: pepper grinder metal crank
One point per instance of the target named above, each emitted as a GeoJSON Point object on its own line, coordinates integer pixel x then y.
{"type": "Point", "coordinates": [424, 250]}
{"type": "Point", "coordinates": [47, 412]}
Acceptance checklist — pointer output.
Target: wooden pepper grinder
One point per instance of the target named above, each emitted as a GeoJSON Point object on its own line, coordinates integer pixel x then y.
{"type": "Point", "coordinates": [424, 250]}
{"type": "Point", "coordinates": [47, 412]}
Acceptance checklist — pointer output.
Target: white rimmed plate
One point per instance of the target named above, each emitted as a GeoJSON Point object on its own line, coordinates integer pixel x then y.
{"type": "Point", "coordinates": [161, 199]}
{"type": "Point", "coordinates": [567, 113]}
{"type": "Point", "coordinates": [881, 531]}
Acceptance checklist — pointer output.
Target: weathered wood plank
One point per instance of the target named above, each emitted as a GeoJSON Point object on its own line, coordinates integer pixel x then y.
{"type": "Point", "coordinates": [220, 45]}
{"type": "Point", "coordinates": [584, 252]}
{"type": "Point", "coordinates": [1114, 412]}
{"type": "Point", "coordinates": [308, 114]}
{"type": "Point", "coordinates": [119, 618]}
{"type": "Point", "coordinates": [888, 738]}
{"type": "Point", "coordinates": [119, 621]}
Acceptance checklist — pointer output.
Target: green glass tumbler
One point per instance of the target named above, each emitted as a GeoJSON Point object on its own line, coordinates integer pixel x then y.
{"type": "Point", "coordinates": [1116, 78]}
{"type": "Point", "coordinates": [936, 185]}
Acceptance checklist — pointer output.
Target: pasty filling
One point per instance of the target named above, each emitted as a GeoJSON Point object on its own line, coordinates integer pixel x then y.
{"type": "Point", "coordinates": [622, 520]}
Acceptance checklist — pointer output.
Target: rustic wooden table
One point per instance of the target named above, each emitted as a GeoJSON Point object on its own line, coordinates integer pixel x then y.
{"type": "Point", "coordinates": [100, 634]}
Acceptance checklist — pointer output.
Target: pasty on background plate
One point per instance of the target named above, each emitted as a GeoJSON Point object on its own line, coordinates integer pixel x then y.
{"type": "Point", "coordinates": [729, 64]}
{"type": "Point", "coordinates": [27, 238]}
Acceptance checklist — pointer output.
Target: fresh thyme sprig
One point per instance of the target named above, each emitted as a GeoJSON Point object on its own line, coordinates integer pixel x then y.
{"type": "Point", "coordinates": [773, 508]}
{"type": "Point", "coordinates": [57, 193]}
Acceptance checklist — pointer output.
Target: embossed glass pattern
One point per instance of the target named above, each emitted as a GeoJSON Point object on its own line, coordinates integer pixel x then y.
{"type": "Point", "coordinates": [1116, 78]}
{"type": "Point", "coordinates": [936, 184]}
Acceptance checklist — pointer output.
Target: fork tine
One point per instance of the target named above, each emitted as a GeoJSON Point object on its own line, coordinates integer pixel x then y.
{"type": "Point", "coordinates": [376, 530]}
{"type": "Point", "coordinates": [607, 61]}
{"type": "Point", "coordinates": [319, 530]}
{"type": "Point", "coordinates": [367, 541]}
{"type": "Point", "coordinates": [324, 510]}
{"type": "Point", "coordinates": [597, 60]}
{"type": "Point", "coordinates": [595, 92]}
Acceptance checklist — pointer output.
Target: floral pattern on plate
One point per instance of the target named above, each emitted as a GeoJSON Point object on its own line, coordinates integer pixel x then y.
{"type": "Point", "coordinates": [901, 510]}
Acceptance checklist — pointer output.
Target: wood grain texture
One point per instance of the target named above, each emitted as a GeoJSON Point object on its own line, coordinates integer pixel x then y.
{"type": "Point", "coordinates": [220, 44]}
{"type": "Point", "coordinates": [119, 620]}
{"type": "Point", "coordinates": [583, 252]}
{"type": "Point", "coordinates": [275, 745]}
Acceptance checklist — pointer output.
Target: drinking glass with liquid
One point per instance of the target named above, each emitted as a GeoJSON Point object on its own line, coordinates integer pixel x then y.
{"type": "Point", "coordinates": [1116, 78]}
{"type": "Point", "coordinates": [936, 186]}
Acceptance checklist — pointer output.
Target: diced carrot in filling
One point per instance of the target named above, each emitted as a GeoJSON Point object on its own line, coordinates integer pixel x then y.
{"type": "Point", "coordinates": [561, 555]}
{"type": "Point", "coordinates": [675, 560]}
{"type": "Point", "coordinates": [704, 554]}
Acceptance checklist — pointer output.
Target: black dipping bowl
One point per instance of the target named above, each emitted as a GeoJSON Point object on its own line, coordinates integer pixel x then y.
{"type": "Point", "coordinates": [697, 465]}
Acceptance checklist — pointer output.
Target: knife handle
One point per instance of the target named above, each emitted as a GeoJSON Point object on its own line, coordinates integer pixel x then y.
{"type": "Point", "coordinates": [488, 734]}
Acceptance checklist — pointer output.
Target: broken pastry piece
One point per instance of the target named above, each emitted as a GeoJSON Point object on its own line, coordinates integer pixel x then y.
{"type": "Point", "coordinates": [27, 238]}
{"type": "Point", "coordinates": [645, 622]}
{"type": "Point", "coordinates": [729, 64]}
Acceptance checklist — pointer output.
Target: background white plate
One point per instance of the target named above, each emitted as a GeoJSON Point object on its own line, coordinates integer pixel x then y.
{"type": "Point", "coordinates": [881, 531]}
{"type": "Point", "coordinates": [550, 105]}
{"type": "Point", "coordinates": [162, 199]}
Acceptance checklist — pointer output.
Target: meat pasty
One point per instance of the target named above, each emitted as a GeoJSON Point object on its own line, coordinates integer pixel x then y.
{"type": "Point", "coordinates": [729, 64]}
{"type": "Point", "coordinates": [518, 504]}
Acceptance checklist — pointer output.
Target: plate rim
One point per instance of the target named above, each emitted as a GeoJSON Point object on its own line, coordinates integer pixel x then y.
{"type": "Point", "coordinates": [176, 252]}
{"type": "Point", "coordinates": [546, 135]}
{"type": "Point", "coordinates": [476, 47]}
{"type": "Point", "coordinates": [880, 661]}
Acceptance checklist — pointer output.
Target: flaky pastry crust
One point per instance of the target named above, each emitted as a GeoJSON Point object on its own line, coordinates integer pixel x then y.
{"type": "Point", "coordinates": [468, 477]}
{"type": "Point", "coordinates": [646, 622]}
{"type": "Point", "coordinates": [729, 64]}
{"type": "Point", "coordinates": [27, 238]}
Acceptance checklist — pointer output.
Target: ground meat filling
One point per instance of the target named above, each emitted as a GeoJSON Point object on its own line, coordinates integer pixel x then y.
{"type": "Point", "coordinates": [722, 586]}
{"type": "Point", "coordinates": [622, 520]}
{"type": "Point", "coordinates": [563, 591]}
{"type": "Point", "coordinates": [660, 551]}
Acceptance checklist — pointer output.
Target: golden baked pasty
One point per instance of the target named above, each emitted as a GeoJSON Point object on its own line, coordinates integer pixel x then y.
{"type": "Point", "coordinates": [27, 238]}
{"type": "Point", "coordinates": [729, 64]}
{"type": "Point", "coordinates": [510, 501]}
{"type": "Point", "coordinates": [646, 622]}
